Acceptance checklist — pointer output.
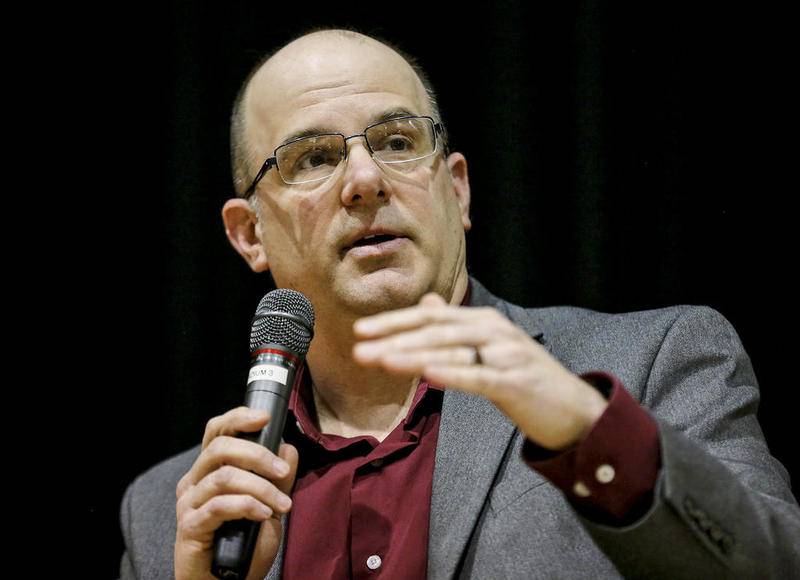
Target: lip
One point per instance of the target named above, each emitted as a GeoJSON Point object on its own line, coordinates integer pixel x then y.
{"type": "Point", "coordinates": [373, 231]}
{"type": "Point", "coordinates": [377, 250]}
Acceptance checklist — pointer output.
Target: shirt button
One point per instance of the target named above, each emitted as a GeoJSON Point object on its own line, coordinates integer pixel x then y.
{"type": "Point", "coordinates": [376, 463]}
{"type": "Point", "coordinates": [299, 427]}
{"type": "Point", "coordinates": [374, 562]}
{"type": "Point", "coordinates": [605, 473]}
{"type": "Point", "coordinates": [580, 489]}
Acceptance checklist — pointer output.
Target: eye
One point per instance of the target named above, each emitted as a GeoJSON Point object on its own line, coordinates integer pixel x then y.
{"type": "Point", "coordinates": [317, 158]}
{"type": "Point", "coordinates": [398, 143]}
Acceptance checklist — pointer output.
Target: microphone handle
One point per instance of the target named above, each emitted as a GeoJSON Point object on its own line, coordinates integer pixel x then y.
{"type": "Point", "coordinates": [235, 540]}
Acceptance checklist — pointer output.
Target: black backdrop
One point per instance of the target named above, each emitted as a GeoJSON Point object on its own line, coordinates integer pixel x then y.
{"type": "Point", "coordinates": [622, 157]}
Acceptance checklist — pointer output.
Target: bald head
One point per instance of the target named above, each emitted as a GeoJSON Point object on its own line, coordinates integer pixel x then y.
{"type": "Point", "coordinates": [306, 72]}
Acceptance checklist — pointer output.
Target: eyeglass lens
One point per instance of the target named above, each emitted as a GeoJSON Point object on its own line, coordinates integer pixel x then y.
{"type": "Point", "coordinates": [395, 142]}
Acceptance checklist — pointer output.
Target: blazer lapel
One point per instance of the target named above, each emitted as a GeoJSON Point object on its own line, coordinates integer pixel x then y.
{"type": "Point", "coordinates": [473, 438]}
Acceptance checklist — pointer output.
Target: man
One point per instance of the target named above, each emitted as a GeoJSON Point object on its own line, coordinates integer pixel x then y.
{"type": "Point", "coordinates": [442, 431]}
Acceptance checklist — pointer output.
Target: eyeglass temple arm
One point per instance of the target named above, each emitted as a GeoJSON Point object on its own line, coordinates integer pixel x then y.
{"type": "Point", "coordinates": [439, 128]}
{"type": "Point", "coordinates": [264, 168]}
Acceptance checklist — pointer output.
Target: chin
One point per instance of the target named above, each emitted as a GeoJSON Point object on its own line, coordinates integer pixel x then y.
{"type": "Point", "coordinates": [384, 289]}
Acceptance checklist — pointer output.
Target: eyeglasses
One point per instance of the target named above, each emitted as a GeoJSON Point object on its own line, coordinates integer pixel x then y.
{"type": "Point", "coordinates": [395, 142]}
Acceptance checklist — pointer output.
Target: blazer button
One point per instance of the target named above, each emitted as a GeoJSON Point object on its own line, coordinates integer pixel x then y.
{"type": "Point", "coordinates": [716, 534]}
{"type": "Point", "coordinates": [726, 543]}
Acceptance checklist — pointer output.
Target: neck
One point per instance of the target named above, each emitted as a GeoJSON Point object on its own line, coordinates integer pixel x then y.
{"type": "Point", "coordinates": [351, 399]}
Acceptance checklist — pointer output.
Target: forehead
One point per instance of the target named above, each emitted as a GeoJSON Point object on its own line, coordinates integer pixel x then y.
{"type": "Point", "coordinates": [337, 84]}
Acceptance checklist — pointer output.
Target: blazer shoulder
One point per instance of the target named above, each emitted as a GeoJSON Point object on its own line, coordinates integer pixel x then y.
{"type": "Point", "coordinates": [565, 320]}
{"type": "Point", "coordinates": [579, 315]}
{"type": "Point", "coordinates": [585, 321]}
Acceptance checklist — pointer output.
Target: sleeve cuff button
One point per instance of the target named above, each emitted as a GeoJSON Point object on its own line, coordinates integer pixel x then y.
{"type": "Point", "coordinates": [605, 473]}
{"type": "Point", "coordinates": [580, 489]}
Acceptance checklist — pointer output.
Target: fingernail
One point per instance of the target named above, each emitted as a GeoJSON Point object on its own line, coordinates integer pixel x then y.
{"type": "Point", "coordinates": [257, 415]}
{"type": "Point", "coordinates": [284, 502]}
{"type": "Point", "coordinates": [280, 466]}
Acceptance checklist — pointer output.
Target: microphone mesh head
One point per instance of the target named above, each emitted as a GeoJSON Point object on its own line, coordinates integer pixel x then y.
{"type": "Point", "coordinates": [283, 317]}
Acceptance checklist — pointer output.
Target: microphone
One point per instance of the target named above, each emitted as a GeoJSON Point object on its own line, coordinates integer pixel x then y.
{"type": "Point", "coordinates": [281, 333]}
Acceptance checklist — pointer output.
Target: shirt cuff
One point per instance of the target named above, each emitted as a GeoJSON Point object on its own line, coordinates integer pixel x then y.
{"type": "Point", "coordinates": [609, 475]}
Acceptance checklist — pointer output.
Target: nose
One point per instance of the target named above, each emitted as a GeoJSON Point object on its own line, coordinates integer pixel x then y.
{"type": "Point", "coordinates": [364, 181]}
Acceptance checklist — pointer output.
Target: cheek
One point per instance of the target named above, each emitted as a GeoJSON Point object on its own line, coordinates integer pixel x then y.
{"type": "Point", "coordinates": [306, 205]}
{"type": "Point", "coordinates": [310, 209]}
{"type": "Point", "coordinates": [312, 218]}
{"type": "Point", "coordinates": [290, 223]}
{"type": "Point", "coordinates": [302, 212]}
{"type": "Point", "coordinates": [444, 203]}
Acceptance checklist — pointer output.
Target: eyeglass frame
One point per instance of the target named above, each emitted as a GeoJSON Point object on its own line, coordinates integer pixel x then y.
{"type": "Point", "coordinates": [270, 162]}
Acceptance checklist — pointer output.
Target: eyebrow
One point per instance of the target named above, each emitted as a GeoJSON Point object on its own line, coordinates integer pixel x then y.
{"type": "Point", "coordinates": [319, 129]}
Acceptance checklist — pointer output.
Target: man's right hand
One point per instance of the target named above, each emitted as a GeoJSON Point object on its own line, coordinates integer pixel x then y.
{"type": "Point", "coordinates": [232, 479]}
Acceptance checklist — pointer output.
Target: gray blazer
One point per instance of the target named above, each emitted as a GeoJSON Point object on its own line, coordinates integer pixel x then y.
{"type": "Point", "coordinates": [723, 506]}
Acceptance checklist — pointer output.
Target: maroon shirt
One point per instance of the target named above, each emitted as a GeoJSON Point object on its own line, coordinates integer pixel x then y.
{"type": "Point", "coordinates": [361, 507]}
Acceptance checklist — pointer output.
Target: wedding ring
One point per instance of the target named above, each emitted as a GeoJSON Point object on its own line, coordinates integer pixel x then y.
{"type": "Point", "coordinates": [477, 360]}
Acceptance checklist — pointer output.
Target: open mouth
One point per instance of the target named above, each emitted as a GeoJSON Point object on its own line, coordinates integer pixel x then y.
{"type": "Point", "coordinates": [373, 240]}
{"type": "Point", "coordinates": [375, 246]}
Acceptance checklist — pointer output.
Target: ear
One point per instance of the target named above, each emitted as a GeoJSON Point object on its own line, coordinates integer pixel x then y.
{"type": "Point", "coordinates": [457, 164]}
{"type": "Point", "coordinates": [242, 229]}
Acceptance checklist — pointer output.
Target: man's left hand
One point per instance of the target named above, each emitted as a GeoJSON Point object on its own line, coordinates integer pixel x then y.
{"type": "Point", "coordinates": [551, 405]}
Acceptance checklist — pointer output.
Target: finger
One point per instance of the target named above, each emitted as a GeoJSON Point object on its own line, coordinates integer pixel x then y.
{"type": "Point", "coordinates": [239, 420]}
{"type": "Point", "coordinates": [247, 455]}
{"type": "Point", "coordinates": [230, 480]}
{"type": "Point", "coordinates": [476, 379]}
{"type": "Point", "coordinates": [267, 543]}
{"type": "Point", "coordinates": [432, 299]}
{"type": "Point", "coordinates": [429, 337]}
{"type": "Point", "coordinates": [412, 317]}
{"type": "Point", "coordinates": [270, 533]}
{"type": "Point", "coordinates": [204, 521]}
{"type": "Point", "coordinates": [416, 361]}
{"type": "Point", "coordinates": [289, 454]}
{"type": "Point", "coordinates": [507, 354]}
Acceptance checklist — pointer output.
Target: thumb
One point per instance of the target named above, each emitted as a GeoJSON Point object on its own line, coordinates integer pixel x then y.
{"type": "Point", "coordinates": [269, 539]}
{"type": "Point", "coordinates": [269, 536]}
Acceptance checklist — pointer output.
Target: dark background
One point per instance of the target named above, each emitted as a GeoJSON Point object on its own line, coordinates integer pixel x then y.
{"type": "Point", "coordinates": [621, 157]}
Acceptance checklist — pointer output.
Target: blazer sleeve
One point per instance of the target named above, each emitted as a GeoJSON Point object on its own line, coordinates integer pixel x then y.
{"type": "Point", "coordinates": [126, 569]}
{"type": "Point", "coordinates": [148, 521]}
{"type": "Point", "coordinates": [722, 505]}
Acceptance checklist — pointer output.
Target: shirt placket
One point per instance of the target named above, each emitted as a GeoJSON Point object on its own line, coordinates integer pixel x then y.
{"type": "Point", "coordinates": [370, 530]}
